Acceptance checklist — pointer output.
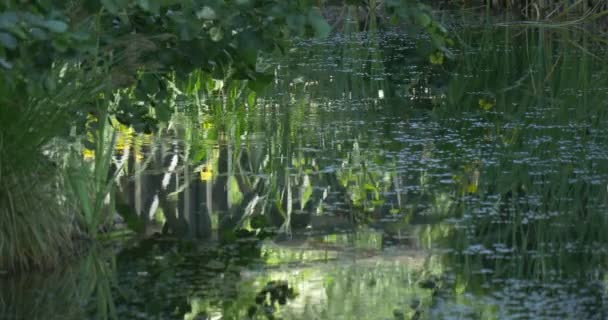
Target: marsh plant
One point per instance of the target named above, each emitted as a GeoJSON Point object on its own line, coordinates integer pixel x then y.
{"type": "Point", "coordinates": [37, 218]}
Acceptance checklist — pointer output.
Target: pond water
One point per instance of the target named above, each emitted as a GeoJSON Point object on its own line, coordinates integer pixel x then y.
{"type": "Point", "coordinates": [390, 187]}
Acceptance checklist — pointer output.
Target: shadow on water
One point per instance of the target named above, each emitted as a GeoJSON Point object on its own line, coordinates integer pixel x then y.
{"type": "Point", "coordinates": [75, 292]}
{"type": "Point", "coordinates": [399, 188]}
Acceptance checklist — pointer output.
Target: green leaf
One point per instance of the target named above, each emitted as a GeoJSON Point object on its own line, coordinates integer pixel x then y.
{"type": "Point", "coordinates": [318, 23]}
{"type": "Point", "coordinates": [56, 26]}
{"type": "Point", "coordinates": [251, 99]}
{"type": "Point", "coordinates": [133, 221]}
{"type": "Point", "coordinates": [163, 113]}
{"type": "Point", "coordinates": [423, 20]}
{"type": "Point", "coordinates": [260, 82]}
{"type": "Point", "coordinates": [8, 20]}
{"type": "Point", "coordinates": [149, 84]}
{"type": "Point", "coordinates": [5, 64]}
{"type": "Point", "coordinates": [8, 41]}
{"type": "Point", "coordinates": [234, 192]}
{"type": "Point", "coordinates": [436, 58]}
{"type": "Point", "coordinates": [368, 186]}
{"type": "Point", "coordinates": [113, 6]}
{"type": "Point", "coordinates": [199, 155]}
{"type": "Point", "coordinates": [216, 34]}
{"type": "Point", "coordinates": [152, 6]}
{"type": "Point", "coordinates": [248, 46]}
{"type": "Point", "coordinates": [296, 23]}
{"type": "Point", "coordinates": [39, 34]}
{"type": "Point", "coordinates": [206, 13]}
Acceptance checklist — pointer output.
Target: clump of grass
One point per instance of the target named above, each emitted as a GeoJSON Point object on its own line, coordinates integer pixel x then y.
{"type": "Point", "coordinates": [36, 227]}
{"type": "Point", "coordinates": [77, 291]}
{"type": "Point", "coordinates": [37, 217]}
{"type": "Point", "coordinates": [90, 188]}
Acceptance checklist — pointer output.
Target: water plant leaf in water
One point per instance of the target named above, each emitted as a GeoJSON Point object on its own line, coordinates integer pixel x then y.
{"type": "Point", "coordinates": [486, 104]}
{"type": "Point", "coordinates": [436, 58]}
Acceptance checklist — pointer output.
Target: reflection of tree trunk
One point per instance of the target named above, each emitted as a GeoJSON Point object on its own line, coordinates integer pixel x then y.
{"type": "Point", "coordinates": [170, 183]}
{"type": "Point", "coordinates": [220, 191]}
{"type": "Point", "coordinates": [286, 162]}
{"type": "Point", "coordinates": [193, 206]}
{"type": "Point", "coordinates": [173, 223]}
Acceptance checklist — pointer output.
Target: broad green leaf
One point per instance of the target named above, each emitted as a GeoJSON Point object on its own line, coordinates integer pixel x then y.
{"type": "Point", "coordinates": [368, 186]}
{"type": "Point", "coordinates": [163, 113]}
{"type": "Point", "coordinates": [306, 192]}
{"type": "Point", "coordinates": [8, 41]}
{"type": "Point", "coordinates": [423, 20]}
{"type": "Point", "coordinates": [5, 64]}
{"type": "Point", "coordinates": [8, 20]}
{"type": "Point", "coordinates": [57, 26]}
{"type": "Point", "coordinates": [39, 34]}
{"type": "Point", "coordinates": [296, 23]}
{"type": "Point", "coordinates": [198, 155]}
{"type": "Point", "coordinates": [236, 196]}
{"type": "Point", "coordinates": [251, 99]}
{"type": "Point", "coordinates": [152, 6]}
{"type": "Point", "coordinates": [318, 23]}
{"type": "Point", "coordinates": [149, 84]}
{"type": "Point", "coordinates": [133, 221]}
{"type": "Point", "coordinates": [260, 82]}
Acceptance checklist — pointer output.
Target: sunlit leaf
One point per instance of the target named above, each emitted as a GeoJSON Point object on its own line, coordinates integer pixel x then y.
{"type": "Point", "coordinates": [369, 187]}
{"type": "Point", "coordinates": [251, 99]}
{"type": "Point", "coordinates": [216, 34]}
{"type": "Point", "coordinates": [206, 13]}
{"type": "Point", "coordinates": [5, 64]}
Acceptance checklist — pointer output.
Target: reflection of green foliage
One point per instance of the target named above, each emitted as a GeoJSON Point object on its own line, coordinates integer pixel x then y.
{"type": "Point", "coordinates": [363, 181]}
{"type": "Point", "coordinates": [75, 292]}
{"type": "Point", "coordinates": [529, 206]}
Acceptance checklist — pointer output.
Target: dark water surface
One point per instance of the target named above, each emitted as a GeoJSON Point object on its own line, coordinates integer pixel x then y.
{"type": "Point", "coordinates": [399, 189]}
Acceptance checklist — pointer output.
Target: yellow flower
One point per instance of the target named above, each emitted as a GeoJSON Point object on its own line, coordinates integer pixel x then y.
{"type": "Point", "coordinates": [206, 174]}
{"type": "Point", "coordinates": [472, 187]}
{"type": "Point", "coordinates": [207, 124]}
{"type": "Point", "coordinates": [88, 154]}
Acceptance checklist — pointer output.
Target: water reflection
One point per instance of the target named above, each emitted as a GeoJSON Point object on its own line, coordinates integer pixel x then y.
{"type": "Point", "coordinates": [75, 292]}
{"type": "Point", "coordinates": [367, 183]}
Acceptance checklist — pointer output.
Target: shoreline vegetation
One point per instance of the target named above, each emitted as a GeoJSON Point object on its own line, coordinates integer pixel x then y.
{"type": "Point", "coordinates": [75, 71]}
